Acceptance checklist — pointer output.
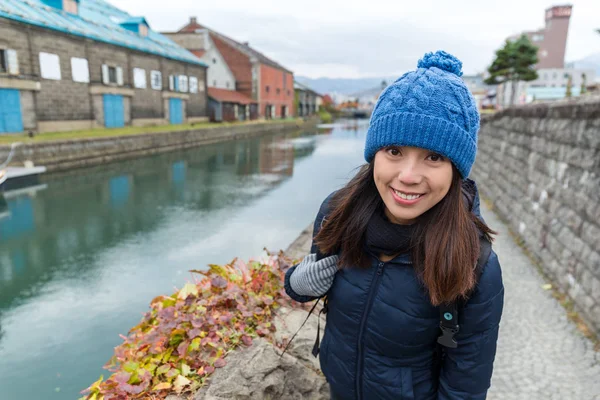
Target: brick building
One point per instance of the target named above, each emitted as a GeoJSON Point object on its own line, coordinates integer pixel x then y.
{"type": "Point", "coordinates": [81, 64]}
{"type": "Point", "coordinates": [224, 102]}
{"type": "Point", "coordinates": [256, 76]}
{"type": "Point", "coordinates": [552, 39]}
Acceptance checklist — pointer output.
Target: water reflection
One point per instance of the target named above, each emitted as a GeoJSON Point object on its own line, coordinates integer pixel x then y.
{"type": "Point", "coordinates": [82, 254]}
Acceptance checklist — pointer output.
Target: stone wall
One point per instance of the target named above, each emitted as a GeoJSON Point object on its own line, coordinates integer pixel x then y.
{"type": "Point", "coordinates": [540, 166]}
{"type": "Point", "coordinates": [64, 155]}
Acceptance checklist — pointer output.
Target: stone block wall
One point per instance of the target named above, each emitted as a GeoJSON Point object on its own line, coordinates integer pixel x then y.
{"type": "Point", "coordinates": [540, 166]}
{"type": "Point", "coordinates": [64, 155]}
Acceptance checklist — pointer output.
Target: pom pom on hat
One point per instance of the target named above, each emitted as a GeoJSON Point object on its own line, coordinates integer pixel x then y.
{"type": "Point", "coordinates": [441, 60]}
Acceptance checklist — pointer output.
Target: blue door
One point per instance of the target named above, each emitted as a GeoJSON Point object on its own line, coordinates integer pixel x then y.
{"type": "Point", "coordinates": [114, 113]}
{"type": "Point", "coordinates": [10, 111]}
{"type": "Point", "coordinates": [175, 111]}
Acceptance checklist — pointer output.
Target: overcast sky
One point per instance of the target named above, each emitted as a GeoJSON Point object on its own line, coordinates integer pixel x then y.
{"type": "Point", "coordinates": [353, 39]}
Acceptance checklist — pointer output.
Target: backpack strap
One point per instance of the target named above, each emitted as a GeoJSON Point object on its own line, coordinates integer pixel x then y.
{"type": "Point", "coordinates": [449, 312]}
{"type": "Point", "coordinates": [302, 326]}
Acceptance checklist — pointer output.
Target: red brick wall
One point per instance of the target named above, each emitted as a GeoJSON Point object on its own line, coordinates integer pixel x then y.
{"type": "Point", "coordinates": [274, 79]}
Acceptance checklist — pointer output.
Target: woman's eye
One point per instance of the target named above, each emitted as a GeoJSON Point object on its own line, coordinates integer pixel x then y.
{"type": "Point", "coordinates": [436, 157]}
{"type": "Point", "coordinates": [394, 151]}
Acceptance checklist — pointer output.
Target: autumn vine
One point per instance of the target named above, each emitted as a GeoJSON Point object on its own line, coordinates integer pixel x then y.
{"type": "Point", "coordinates": [185, 336]}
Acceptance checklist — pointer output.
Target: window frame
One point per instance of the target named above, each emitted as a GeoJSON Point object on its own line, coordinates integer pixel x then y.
{"type": "Point", "coordinates": [137, 78]}
{"type": "Point", "coordinates": [3, 61]}
{"type": "Point", "coordinates": [75, 60]}
{"type": "Point", "coordinates": [156, 74]}
{"type": "Point", "coordinates": [193, 84]}
{"type": "Point", "coordinates": [49, 72]}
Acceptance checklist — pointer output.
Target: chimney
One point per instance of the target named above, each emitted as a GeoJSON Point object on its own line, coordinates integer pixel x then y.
{"type": "Point", "coordinates": [246, 44]}
{"type": "Point", "coordinates": [193, 20]}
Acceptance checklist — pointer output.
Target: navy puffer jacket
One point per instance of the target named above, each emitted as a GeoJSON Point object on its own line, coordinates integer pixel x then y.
{"type": "Point", "coordinates": [381, 332]}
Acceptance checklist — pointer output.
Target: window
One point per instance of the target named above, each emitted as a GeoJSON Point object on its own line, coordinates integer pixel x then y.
{"type": "Point", "coordinates": [267, 88]}
{"type": "Point", "coordinates": [139, 78]}
{"type": "Point", "coordinates": [70, 6]}
{"type": "Point", "coordinates": [215, 83]}
{"type": "Point", "coordinates": [3, 62]}
{"type": "Point", "coordinates": [214, 60]}
{"type": "Point", "coordinates": [50, 66]}
{"type": "Point", "coordinates": [183, 83]}
{"type": "Point", "coordinates": [227, 84]}
{"type": "Point", "coordinates": [9, 63]}
{"type": "Point", "coordinates": [201, 86]}
{"type": "Point", "coordinates": [112, 75]}
{"type": "Point", "coordinates": [80, 70]}
{"type": "Point", "coordinates": [143, 30]}
{"type": "Point", "coordinates": [284, 81]}
{"type": "Point", "coordinates": [537, 37]}
{"type": "Point", "coordinates": [554, 75]}
{"type": "Point", "coordinates": [156, 80]}
{"type": "Point", "coordinates": [288, 92]}
{"type": "Point", "coordinates": [278, 91]}
{"type": "Point", "coordinates": [193, 84]}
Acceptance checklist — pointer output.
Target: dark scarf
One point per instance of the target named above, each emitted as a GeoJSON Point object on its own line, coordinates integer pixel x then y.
{"type": "Point", "coordinates": [383, 236]}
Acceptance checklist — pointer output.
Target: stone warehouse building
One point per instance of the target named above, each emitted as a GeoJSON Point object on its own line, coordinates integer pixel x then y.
{"type": "Point", "coordinates": [82, 64]}
{"type": "Point", "coordinates": [238, 67]}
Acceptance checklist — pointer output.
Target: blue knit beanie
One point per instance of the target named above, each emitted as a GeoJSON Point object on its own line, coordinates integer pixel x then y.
{"type": "Point", "coordinates": [429, 108]}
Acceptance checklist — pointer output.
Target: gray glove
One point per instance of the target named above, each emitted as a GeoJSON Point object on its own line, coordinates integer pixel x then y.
{"type": "Point", "coordinates": [314, 278]}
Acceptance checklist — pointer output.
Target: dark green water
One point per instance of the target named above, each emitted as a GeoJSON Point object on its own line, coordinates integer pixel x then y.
{"type": "Point", "coordinates": [82, 255]}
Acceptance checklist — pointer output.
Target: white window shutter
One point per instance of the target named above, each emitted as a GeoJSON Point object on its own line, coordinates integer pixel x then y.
{"type": "Point", "coordinates": [171, 83]}
{"type": "Point", "coordinates": [13, 62]}
{"type": "Point", "coordinates": [119, 76]}
{"type": "Point", "coordinates": [105, 74]}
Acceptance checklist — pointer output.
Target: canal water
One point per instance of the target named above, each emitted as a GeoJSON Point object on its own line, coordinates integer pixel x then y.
{"type": "Point", "coordinates": [82, 254]}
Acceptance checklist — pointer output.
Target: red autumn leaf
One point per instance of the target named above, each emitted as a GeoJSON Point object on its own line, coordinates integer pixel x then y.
{"type": "Point", "coordinates": [209, 369]}
{"type": "Point", "coordinates": [247, 340]}
{"type": "Point", "coordinates": [220, 363]}
{"type": "Point", "coordinates": [219, 282]}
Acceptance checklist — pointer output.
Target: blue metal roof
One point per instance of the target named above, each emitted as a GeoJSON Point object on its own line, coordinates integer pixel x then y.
{"type": "Point", "coordinates": [97, 20]}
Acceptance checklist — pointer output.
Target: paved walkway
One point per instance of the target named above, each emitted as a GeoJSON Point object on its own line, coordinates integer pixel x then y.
{"type": "Point", "coordinates": [541, 354]}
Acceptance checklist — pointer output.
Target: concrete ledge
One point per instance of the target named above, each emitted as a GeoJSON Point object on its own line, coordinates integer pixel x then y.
{"type": "Point", "coordinates": [21, 84]}
{"type": "Point", "coordinates": [191, 120]}
{"type": "Point", "coordinates": [59, 126]}
{"type": "Point", "coordinates": [175, 95]}
{"type": "Point", "coordinates": [62, 155]}
{"type": "Point", "coordinates": [148, 121]}
{"type": "Point", "coordinates": [99, 89]}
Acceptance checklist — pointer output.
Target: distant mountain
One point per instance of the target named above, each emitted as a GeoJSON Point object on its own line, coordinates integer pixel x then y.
{"type": "Point", "coordinates": [590, 62]}
{"type": "Point", "coordinates": [343, 86]}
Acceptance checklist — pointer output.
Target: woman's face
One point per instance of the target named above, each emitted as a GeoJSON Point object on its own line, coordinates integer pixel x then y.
{"type": "Point", "coordinates": [410, 181]}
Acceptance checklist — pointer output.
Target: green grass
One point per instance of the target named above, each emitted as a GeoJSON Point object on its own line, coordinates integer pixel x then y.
{"type": "Point", "coordinates": [130, 130]}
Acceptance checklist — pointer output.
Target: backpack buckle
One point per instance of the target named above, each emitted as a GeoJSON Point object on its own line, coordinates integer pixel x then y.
{"type": "Point", "coordinates": [447, 337]}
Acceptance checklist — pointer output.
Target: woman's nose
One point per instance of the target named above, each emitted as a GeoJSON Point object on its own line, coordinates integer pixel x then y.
{"type": "Point", "coordinates": [409, 173]}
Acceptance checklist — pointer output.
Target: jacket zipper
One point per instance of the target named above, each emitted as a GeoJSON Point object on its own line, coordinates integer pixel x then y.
{"type": "Point", "coordinates": [359, 364]}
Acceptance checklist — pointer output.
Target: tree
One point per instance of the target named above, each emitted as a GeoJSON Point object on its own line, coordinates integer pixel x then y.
{"type": "Point", "coordinates": [514, 62]}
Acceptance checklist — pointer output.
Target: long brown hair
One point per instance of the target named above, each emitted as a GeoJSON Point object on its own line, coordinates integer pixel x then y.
{"type": "Point", "coordinates": [445, 244]}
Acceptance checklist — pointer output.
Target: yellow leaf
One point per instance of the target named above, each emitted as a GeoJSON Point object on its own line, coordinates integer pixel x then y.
{"type": "Point", "coordinates": [547, 286]}
{"type": "Point", "coordinates": [162, 386]}
{"type": "Point", "coordinates": [185, 369]}
{"type": "Point", "coordinates": [180, 383]}
{"type": "Point", "coordinates": [188, 289]}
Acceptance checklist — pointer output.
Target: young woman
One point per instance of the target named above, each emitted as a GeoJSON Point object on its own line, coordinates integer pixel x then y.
{"type": "Point", "coordinates": [401, 241]}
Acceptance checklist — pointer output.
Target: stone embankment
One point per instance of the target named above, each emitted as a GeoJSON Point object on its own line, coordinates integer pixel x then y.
{"type": "Point", "coordinates": [61, 155]}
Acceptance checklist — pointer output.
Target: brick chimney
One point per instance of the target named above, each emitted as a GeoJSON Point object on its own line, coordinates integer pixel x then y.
{"type": "Point", "coordinates": [193, 20]}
